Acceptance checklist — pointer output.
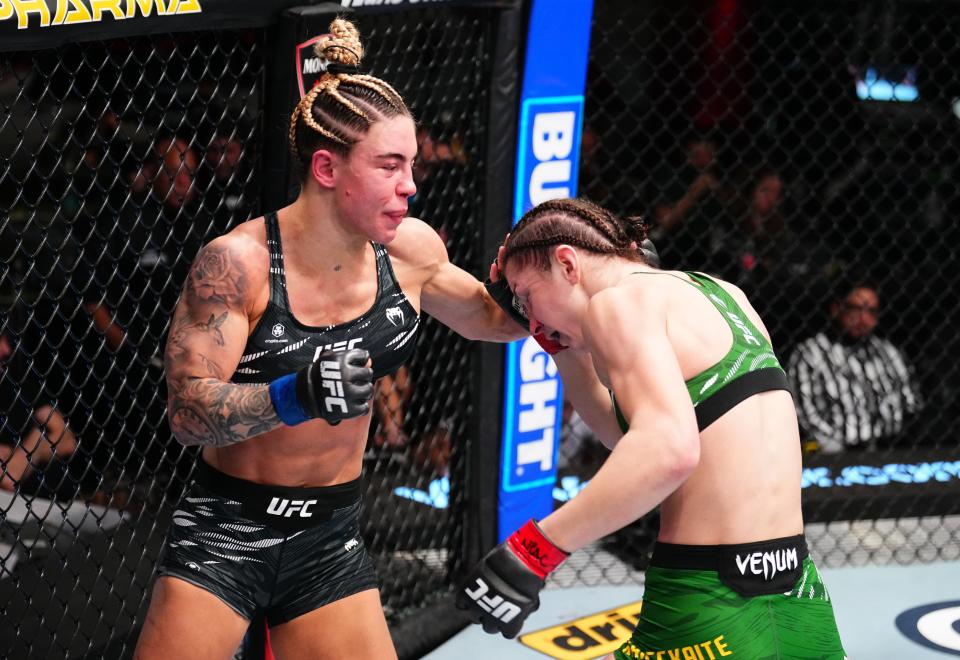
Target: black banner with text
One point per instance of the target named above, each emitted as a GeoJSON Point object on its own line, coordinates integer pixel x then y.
{"type": "Point", "coordinates": [35, 24]}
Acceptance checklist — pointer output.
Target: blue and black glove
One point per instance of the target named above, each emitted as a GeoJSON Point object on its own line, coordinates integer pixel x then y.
{"type": "Point", "coordinates": [336, 386]}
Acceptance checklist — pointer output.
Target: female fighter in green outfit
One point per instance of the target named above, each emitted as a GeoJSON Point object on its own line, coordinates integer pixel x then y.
{"type": "Point", "coordinates": [674, 371]}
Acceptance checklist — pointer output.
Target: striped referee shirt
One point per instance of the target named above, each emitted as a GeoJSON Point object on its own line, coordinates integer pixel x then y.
{"type": "Point", "coordinates": [851, 394]}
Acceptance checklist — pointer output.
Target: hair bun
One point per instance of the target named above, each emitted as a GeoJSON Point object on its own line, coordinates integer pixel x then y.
{"type": "Point", "coordinates": [637, 228]}
{"type": "Point", "coordinates": [342, 46]}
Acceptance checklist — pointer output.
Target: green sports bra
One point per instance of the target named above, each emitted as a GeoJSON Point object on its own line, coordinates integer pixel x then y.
{"type": "Point", "coordinates": [749, 367]}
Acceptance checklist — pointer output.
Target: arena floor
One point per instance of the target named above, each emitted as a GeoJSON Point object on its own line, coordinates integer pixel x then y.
{"type": "Point", "coordinates": [878, 607]}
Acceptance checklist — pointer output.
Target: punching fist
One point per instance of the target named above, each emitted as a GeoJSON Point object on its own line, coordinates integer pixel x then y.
{"type": "Point", "coordinates": [337, 385]}
{"type": "Point", "coordinates": [504, 588]}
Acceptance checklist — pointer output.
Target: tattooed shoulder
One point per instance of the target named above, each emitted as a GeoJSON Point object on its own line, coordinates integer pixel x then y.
{"type": "Point", "coordinates": [222, 273]}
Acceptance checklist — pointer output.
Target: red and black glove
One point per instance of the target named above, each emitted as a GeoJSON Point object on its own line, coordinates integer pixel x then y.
{"type": "Point", "coordinates": [504, 588]}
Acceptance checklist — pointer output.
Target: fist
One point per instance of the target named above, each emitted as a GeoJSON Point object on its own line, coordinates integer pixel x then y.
{"type": "Point", "coordinates": [500, 592]}
{"type": "Point", "coordinates": [338, 385]}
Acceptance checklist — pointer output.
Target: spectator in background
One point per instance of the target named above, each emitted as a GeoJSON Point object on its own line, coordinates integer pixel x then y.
{"type": "Point", "coordinates": [229, 176]}
{"type": "Point", "coordinates": [33, 434]}
{"type": "Point", "coordinates": [688, 205]}
{"type": "Point", "coordinates": [390, 407]}
{"type": "Point", "coordinates": [145, 249]}
{"type": "Point", "coordinates": [98, 163]}
{"type": "Point", "coordinates": [853, 389]}
{"type": "Point", "coordinates": [133, 291]}
{"type": "Point", "coordinates": [754, 237]}
{"type": "Point", "coordinates": [754, 246]}
{"type": "Point", "coordinates": [432, 154]}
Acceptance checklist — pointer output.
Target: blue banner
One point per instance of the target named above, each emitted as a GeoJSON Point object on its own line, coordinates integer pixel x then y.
{"type": "Point", "coordinates": [548, 155]}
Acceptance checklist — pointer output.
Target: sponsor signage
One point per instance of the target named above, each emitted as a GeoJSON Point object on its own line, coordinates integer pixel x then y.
{"type": "Point", "coordinates": [51, 13]}
{"type": "Point", "coordinates": [548, 151]}
{"type": "Point", "coordinates": [29, 24]}
{"type": "Point", "coordinates": [935, 626]}
{"type": "Point", "coordinates": [32, 24]}
{"type": "Point", "coordinates": [531, 420]}
{"type": "Point", "coordinates": [423, 4]}
{"type": "Point", "coordinates": [588, 637]}
{"type": "Point", "coordinates": [310, 66]}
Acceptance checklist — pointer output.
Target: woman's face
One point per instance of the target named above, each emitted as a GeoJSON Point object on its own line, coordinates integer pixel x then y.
{"type": "Point", "coordinates": [375, 180]}
{"type": "Point", "coordinates": [548, 301]}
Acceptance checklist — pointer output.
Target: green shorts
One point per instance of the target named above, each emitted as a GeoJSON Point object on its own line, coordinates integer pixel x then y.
{"type": "Point", "coordinates": [694, 614]}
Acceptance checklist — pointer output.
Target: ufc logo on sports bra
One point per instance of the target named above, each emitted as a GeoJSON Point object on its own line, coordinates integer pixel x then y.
{"type": "Point", "coordinates": [286, 508]}
{"type": "Point", "coordinates": [495, 605]}
{"type": "Point", "coordinates": [338, 346]}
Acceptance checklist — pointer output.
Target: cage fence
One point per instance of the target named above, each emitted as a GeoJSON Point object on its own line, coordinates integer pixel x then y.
{"type": "Point", "coordinates": [120, 159]}
{"type": "Point", "coordinates": [799, 151]}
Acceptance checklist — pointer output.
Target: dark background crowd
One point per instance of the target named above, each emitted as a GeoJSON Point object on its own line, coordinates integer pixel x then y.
{"type": "Point", "coordinates": [808, 155]}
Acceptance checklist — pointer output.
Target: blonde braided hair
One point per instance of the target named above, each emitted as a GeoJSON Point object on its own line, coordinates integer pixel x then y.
{"type": "Point", "coordinates": [343, 104]}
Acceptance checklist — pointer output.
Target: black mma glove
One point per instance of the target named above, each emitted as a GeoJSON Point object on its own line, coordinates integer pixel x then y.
{"type": "Point", "coordinates": [503, 296]}
{"type": "Point", "coordinates": [649, 252]}
{"type": "Point", "coordinates": [504, 588]}
{"type": "Point", "coordinates": [337, 385]}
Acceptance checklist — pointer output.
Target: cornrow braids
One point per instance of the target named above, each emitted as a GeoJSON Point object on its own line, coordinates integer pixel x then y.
{"type": "Point", "coordinates": [343, 104]}
{"type": "Point", "coordinates": [576, 222]}
{"type": "Point", "coordinates": [383, 88]}
{"type": "Point", "coordinates": [303, 109]}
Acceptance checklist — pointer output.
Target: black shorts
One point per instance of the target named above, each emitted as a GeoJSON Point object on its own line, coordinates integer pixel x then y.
{"type": "Point", "coordinates": [270, 550]}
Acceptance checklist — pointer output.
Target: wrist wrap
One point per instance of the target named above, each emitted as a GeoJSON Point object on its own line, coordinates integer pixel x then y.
{"type": "Point", "coordinates": [535, 550]}
{"type": "Point", "coordinates": [283, 396]}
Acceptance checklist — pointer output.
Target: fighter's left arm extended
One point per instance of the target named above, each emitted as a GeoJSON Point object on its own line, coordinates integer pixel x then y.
{"type": "Point", "coordinates": [448, 293]}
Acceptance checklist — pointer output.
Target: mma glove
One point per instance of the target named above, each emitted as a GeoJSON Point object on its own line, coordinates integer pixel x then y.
{"type": "Point", "coordinates": [504, 588]}
{"type": "Point", "coordinates": [503, 296]}
{"type": "Point", "coordinates": [649, 252]}
{"type": "Point", "coordinates": [336, 386]}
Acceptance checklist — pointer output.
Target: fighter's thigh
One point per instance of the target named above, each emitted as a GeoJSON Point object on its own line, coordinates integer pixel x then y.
{"type": "Point", "coordinates": [187, 622]}
{"type": "Point", "coordinates": [352, 627]}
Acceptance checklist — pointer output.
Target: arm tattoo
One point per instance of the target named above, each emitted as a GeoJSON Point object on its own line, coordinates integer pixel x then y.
{"type": "Point", "coordinates": [207, 411]}
{"type": "Point", "coordinates": [212, 326]}
{"type": "Point", "coordinates": [214, 278]}
{"type": "Point", "coordinates": [203, 408]}
{"type": "Point", "coordinates": [212, 368]}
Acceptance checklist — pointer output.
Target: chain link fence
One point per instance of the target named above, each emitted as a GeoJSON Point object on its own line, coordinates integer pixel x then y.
{"type": "Point", "coordinates": [120, 159]}
{"type": "Point", "coordinates": [800, 151]}
{"type": "Point", "coordinates": [441, 64]}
